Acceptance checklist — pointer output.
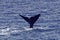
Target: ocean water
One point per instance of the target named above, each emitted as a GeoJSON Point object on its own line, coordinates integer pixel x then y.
{"type": "Point", "coordinates": [12, 26]}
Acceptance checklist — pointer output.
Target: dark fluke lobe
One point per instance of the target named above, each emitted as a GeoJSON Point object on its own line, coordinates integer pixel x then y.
{"type": "Point", "coordinates": [31, 20]}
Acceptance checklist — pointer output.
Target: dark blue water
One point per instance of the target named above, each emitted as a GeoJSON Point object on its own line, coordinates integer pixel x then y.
{"type": "Point", "coordinates": [50, 18]}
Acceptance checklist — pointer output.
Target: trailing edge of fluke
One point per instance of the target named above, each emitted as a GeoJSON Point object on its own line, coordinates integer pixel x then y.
{"type": "Point", "coordinates": [31, 20]}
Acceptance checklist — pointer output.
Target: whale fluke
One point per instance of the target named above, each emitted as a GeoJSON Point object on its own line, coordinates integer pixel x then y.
{"type": "Point", "coordinates": [31, 20]}
{"type": "Point", "coordinates": [25, 18]}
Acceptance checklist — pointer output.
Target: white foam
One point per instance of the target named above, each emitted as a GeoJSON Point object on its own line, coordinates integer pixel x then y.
{"type": "Point", "coordinates": [4, 31]}
{"type": "Point", "coordinates": [28, 28]}
{"type": "Point", "coordinates": [8, 31]}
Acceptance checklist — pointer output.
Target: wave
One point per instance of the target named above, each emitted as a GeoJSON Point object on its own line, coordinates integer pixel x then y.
{"type": "Point", "coordinates": [8, 31]}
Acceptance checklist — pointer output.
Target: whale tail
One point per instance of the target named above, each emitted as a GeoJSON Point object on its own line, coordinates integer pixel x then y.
{"type": "Point", "coordinates": [25, 18]}
{"type": "Point", "coordinates": [32, 20]}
